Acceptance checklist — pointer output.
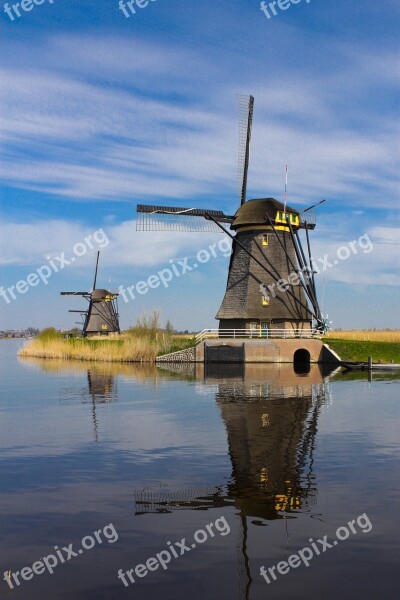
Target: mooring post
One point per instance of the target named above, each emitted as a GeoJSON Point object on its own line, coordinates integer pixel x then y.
{"type": "Point", "coordinates": [369, 368]}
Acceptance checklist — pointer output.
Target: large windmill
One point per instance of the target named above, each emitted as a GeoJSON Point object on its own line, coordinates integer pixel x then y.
{"type": "Point", "coordinates": [271, 278]}
{"type": "Point", "coordinates": [101, 316]}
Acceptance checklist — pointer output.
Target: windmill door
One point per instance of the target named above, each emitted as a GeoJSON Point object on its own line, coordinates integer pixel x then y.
{"type": "Point", "coordinates": [265, 327]}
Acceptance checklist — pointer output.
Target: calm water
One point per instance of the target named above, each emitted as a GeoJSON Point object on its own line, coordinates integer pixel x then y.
{"type": "Point", "coordinates": [269, 458]}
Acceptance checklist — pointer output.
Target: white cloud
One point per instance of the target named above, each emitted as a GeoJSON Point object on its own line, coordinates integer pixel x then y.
{"type": "Point", "coordinates": [373, 262]}
{"type": "Point", "coordinates": [31, 244]}
{"type": "Point", "coordinates": [83, 127]}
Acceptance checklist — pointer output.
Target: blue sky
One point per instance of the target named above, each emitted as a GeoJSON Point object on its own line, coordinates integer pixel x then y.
{"type": "Point", "coordinates": [100, 112]}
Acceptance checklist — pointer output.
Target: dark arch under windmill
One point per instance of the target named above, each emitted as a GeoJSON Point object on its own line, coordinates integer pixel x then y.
{"type": "Point", "coordinates": [266, 251]}
{"type": "Point", "coordinates": [101, 316]}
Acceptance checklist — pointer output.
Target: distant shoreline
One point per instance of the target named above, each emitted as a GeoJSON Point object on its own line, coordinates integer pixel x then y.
{"type": "Point", "coordinates": [130, 349]}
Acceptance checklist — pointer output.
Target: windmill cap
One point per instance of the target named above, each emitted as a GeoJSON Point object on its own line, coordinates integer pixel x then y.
{"type": "Point", "coordinates": [102, 295]}
{"type": "Point", "coordinates": [253, 212]}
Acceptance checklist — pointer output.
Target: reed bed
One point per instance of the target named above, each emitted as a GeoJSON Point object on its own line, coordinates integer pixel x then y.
{"type": "Point", "coordinates": [140, 344]}
{"type": "Point", "coordinates": [128, 349]}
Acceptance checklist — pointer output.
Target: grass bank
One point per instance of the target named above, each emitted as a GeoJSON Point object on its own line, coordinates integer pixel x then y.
{"type": "Point", "coordinates": [358, 351]}
{"type": "Point", "coordinates": [130, 347]}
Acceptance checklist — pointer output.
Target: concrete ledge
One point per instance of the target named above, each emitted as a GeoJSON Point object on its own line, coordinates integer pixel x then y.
{"type": "Point", "coordinates": [255, 351]}
{"type": "Point", "coordinates": [329, 355]}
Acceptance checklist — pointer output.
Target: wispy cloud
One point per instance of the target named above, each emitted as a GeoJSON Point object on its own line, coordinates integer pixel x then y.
{"type": "Point", "coordinates": [28, 244]}
{"type": "Point", "coordinates": [66, 133]}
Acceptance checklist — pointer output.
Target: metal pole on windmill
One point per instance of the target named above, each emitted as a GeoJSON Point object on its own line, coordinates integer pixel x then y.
{"type": "Point", "coordinates": [286, 181]}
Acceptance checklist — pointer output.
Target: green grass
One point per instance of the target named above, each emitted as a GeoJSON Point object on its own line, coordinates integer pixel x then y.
{"type": "Point", "coordinates": [177, 344]}
{"type": "Point", "coordinates": [354, 351]}
{"type": "Point", "coordinates": [49, 334]}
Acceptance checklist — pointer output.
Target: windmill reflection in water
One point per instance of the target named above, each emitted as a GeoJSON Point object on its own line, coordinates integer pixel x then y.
{"type": "Point", "coordinates": [271, 415]}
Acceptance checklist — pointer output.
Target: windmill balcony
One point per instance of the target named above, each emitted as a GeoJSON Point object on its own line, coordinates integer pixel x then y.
{"type": "Point", "coordinates": [257, 334]}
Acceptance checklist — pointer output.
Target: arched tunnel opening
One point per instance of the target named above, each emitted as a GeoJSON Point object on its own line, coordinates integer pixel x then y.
{"type": "Point", "coordinates": [302, 361]}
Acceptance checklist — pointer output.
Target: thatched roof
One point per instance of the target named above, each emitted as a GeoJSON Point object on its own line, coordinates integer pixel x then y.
{"type": "Point", "coordinates": [253, 212]}
{"type": "Point", "coordinates": [102, 295]}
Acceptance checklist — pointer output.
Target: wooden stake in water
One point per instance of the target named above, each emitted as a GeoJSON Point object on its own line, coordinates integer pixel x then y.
{"type": "Point", "coordinates": [369, 368]}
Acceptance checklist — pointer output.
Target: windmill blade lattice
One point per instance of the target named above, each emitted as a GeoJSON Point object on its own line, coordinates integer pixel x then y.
{"type": "Point", "coordinates": [172, 218]}
{"type": "Point", "coordinates": [245, 114]}
{"type": "Point", "coordinates": [159, 501]}
{"type": "Point", "coordinates": [308, 217]}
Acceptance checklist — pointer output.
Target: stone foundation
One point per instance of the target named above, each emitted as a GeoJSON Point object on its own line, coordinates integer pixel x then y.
{"type": "Point", "coordinates": [182, 356]}
{"type": "Point", "coordinates": [252, 351]}
{"type": "Point", "coordinates": [266, 351]}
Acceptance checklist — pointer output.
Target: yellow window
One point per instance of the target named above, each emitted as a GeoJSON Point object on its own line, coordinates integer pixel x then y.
{"type": "Point", "coordinates": [265, 240]}
{"type": "Point", "coordinates": [265, 301]}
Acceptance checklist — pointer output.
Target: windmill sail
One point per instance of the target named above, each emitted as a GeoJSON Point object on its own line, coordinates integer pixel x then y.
{"type": "Point", "coordinates": [173, 218]}
{"type": "Point", "coordinates": [96, 270]}
{"type": "Point", "coordinates": [308, 217]}
{"type": "Point", "coordinates": [245, 113]}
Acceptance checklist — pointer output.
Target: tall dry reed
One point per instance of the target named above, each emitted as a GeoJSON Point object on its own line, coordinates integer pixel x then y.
{"type": "Point", "coordinates": [127, 349]}
{"type": "Point", "coordinates": [366, 335]}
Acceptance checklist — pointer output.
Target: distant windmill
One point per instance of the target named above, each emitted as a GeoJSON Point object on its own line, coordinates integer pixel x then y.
{"type": "Point", "coordinates": [266, 251]}
{"type": "Point", "coordinates": [101, 317]}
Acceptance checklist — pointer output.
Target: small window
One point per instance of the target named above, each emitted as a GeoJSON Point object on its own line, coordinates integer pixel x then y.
{"type": "Point", "coordinates": [265, 301]}
{"type": "Point", "coordinates": [265, 240]}
{"type": "Point", "coordinates": [253, 325]}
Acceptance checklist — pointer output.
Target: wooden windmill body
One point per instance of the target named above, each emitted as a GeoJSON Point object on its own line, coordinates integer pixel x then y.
{"type": "Point", "coordinates": [254, 297]}
{"type": "Point", "coordinates": [270, 281]}
{"type": "Point", "coordinates": [101, 316]}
